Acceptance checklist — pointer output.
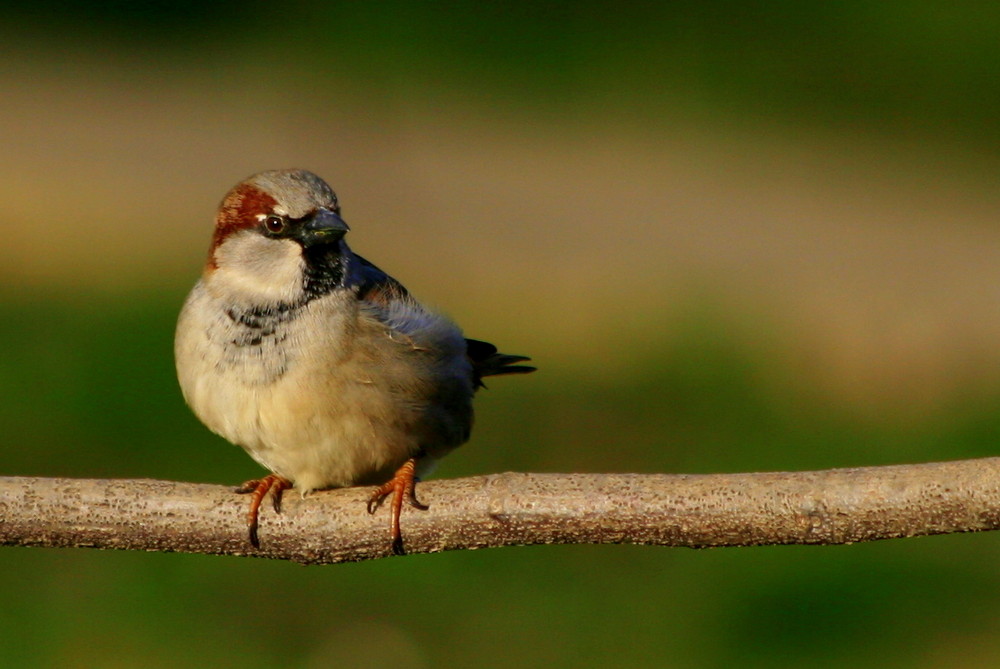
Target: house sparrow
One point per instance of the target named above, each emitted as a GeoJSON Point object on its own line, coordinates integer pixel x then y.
{"type": "Point", "coordinates": [319, 364]}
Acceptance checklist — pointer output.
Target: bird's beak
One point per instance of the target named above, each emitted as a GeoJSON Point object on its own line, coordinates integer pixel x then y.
{"type": "Point", "coordinates": [323, 227]}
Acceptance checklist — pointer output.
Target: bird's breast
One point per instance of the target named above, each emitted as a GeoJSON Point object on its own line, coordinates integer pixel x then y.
{"type": "Point", "coordinates": [323, 394]}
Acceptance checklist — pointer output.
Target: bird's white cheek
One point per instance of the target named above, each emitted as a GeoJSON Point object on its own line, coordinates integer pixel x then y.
{"type": "Point", "coordinates": [252, 267]}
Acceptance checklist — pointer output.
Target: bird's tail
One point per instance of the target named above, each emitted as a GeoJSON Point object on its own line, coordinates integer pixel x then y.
{"type": "Point", "coordinates": [487, 361]}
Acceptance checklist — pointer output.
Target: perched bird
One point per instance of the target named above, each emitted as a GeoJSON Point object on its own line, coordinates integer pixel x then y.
{"type": "Point", "coordinates": [319, 364]}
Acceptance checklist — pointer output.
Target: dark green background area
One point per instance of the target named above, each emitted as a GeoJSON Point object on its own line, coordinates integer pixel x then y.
{"type": "Point", "coordinates": [87, 385]}
{"type": "Point", "coordinates": [904, 67]}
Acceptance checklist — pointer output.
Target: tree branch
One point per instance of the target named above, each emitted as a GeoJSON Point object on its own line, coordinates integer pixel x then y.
{"type": "Point", "coordinates": [835, 506]}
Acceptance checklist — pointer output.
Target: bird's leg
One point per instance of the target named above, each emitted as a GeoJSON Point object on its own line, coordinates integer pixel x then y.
{"type": "Point", "coordinates": [402, 487]}
{"type": "Point", "coordinates": [257, 489]}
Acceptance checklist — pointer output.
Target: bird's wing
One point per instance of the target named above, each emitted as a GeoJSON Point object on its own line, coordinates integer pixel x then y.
{"type": "Point", "coordinates": [386, 294]}
{"type": "Point", "coordinates": [377, 287]}
{"type": "Point", "coordinates": [386, 300]}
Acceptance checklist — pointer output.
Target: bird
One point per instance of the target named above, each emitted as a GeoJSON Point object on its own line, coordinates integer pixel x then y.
{"type": "Point", "coordinates": [324, 368]}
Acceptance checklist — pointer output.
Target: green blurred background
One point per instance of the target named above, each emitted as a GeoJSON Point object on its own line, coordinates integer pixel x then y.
{"type": "Point", "coordinates": [734, 236]}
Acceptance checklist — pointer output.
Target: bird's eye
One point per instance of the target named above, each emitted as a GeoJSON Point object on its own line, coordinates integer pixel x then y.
{"type": "Point", "coordinates": [274, 223]}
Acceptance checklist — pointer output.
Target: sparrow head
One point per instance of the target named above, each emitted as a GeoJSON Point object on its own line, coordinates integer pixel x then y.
{"type": "Point", "coordinates": [278, 234]}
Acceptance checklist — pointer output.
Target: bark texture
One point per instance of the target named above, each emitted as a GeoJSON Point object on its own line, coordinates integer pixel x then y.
{"type": "Point", "coordinates": [835, 506]}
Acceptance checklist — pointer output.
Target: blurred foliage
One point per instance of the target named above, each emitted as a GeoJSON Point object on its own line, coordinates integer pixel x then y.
{"type": "Point", "coordinates": [905, 67]}
{"type": "Point", "coordinates": [89, 390]}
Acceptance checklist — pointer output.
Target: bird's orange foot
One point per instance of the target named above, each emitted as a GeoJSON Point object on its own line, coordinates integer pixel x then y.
{"type": "Point", "coordinates": [257, 488]}
{"type": "Point", "coordinates": [401, 487]}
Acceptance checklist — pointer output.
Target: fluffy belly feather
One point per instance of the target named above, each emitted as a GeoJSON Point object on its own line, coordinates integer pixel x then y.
{"type": "Point", "coordinates": [360, 438]}
{"type": "Point", "coordinates": [325, 413]}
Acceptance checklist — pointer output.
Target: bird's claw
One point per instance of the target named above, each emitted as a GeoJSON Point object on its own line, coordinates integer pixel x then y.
{"type": "Point", "coordinates": [257, 488]}
{"type": "Point", "coordinates": [402, 487]}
